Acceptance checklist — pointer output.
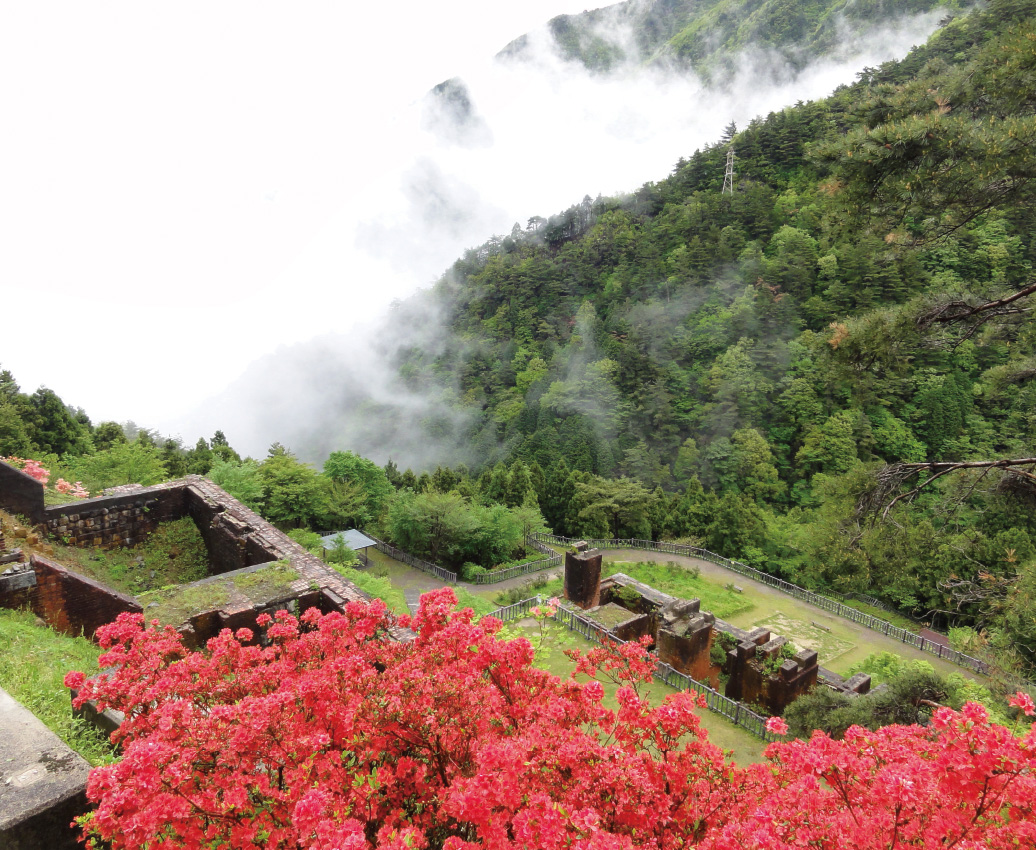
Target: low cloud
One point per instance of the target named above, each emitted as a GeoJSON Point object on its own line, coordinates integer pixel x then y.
{"type": "Point", "coordinates": [507, 141]}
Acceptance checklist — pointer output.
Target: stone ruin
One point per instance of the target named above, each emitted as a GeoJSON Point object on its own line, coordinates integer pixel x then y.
{"type": "Point", "coordinates": [697, 643]}
{"type": "Point", "coordinates": [36, 808]}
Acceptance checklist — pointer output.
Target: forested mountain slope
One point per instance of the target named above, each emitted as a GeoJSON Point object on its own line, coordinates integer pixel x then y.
{"type": "Point", "coordinates": [758, 354]}
{"type": "Point", "coordinates": [702, 34]}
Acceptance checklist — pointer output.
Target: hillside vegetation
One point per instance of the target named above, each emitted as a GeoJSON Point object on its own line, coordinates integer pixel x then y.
{"type": "Point", "coordinates": [770, 372]}
{"type": "Point", "coordinates": [737, 367]}
{"type": "Point", "coordinates": [708, 35]}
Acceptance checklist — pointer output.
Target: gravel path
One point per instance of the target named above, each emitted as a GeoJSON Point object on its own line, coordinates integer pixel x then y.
{"type": "Point", "coordinates": [414, 583]}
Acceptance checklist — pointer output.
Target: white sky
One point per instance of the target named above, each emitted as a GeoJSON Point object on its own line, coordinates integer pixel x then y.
{"type": "Point", "coordinates": [187, 186]}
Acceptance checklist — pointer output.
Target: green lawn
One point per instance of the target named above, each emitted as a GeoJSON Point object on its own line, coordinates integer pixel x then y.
{"type": "Point", "coordinates": [33, 663]}
{"type": "Point", "coordinates": [173, 554]}
{"type": "Point", "coordinates": [743, 746]}
{"type": "Point", "coordinates": [377, 586]}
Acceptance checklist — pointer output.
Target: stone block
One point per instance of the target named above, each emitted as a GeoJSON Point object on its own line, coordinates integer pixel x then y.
{"type": "Point", "coordinates": [42, 783]}
{"type": "Point", "coordinates": [583, 578]}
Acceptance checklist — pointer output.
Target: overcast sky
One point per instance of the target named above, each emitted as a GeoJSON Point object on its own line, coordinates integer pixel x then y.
{"type": "Point", "coordinates": [186, 186]}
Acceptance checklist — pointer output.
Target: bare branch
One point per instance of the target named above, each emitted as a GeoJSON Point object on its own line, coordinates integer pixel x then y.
{"type": "Point", "coordinates": [890, 479]}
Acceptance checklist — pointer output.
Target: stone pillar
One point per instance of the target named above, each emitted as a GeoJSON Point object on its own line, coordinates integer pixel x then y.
{"type": "Point", "coordinates": [583, 578]}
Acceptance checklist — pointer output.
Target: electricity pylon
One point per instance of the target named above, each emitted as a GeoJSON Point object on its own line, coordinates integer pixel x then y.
{"type": "Point", "coordinates": [728, 175]}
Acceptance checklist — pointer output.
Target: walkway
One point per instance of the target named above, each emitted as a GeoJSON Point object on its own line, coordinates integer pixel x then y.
{"type": "Point", "coordinates": [858, 640]}
{"type": "Point", "coordinates": [865, 641]}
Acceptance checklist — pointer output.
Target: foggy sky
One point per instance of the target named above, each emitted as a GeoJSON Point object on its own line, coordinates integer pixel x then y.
{"type": "Point", "coordinates": [190, 187]}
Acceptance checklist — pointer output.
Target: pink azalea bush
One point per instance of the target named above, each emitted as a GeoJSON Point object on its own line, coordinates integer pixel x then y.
{"type": "Point", "coordinates": [35, 469]}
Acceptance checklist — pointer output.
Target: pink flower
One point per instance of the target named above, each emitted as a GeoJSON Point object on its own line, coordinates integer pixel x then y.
{"type": "Point", "coordinates": [974, 712]}
{"type": "Point", "coordinates": [1023, 702]}
{"type": "Point", "coordinates": [777, 726]}
{"type": "Point", "coordinates": [36, 470]}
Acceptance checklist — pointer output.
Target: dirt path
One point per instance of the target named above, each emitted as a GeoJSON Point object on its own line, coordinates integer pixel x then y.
{"type": "Point", "coordinates": [851, 641]}
{"type": "Point", "coordinates": [840, 642]}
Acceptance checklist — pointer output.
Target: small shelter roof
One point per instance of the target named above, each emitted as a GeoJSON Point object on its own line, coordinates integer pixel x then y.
{"type": "Point", "coordinates": [353, 539]}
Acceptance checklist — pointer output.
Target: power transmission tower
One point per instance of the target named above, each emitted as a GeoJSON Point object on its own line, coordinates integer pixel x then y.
{"type": "Point", "coordinates": [728, 175]}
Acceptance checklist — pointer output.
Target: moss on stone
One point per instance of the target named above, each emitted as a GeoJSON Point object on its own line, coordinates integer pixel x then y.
{"type": "Point", "coordinates": [176, 605]}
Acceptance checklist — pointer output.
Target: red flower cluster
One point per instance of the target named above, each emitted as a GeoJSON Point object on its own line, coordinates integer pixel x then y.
{"type": "Point", "coordinates": [334, 737]}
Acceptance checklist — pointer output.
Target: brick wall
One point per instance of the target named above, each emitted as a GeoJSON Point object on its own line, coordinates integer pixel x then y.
{"type": "Point", "coordinates": [229, 534]}
{"type": "Point", "coordinates": [67, 601]}
{"type": "Point", "coordinates": [21, 493]}
{"type": "Point", "coordinates": [121, 520]}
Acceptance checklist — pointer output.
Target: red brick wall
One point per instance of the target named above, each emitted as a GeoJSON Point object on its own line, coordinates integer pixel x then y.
{"type": "Point", "coordinates": [69, 602]}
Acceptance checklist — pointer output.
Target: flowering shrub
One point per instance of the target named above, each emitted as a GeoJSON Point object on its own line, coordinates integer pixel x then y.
{"type": "Point", "coordinates": [31, 468]}
{"type": "Point", "coordinates": [36, 470]}
{"type": "Point", "coordinates": [1023, 702]}
{"type": "Point", "coordinates": [76, 491]}
{"type": "Point", "coordinates": [334, 736]}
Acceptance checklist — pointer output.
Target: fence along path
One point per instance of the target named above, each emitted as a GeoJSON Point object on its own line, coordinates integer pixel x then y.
{"type": "Point", "coordinates": [824, 602]}
{"type": "Point", "coordinates": [734, 711]}
{"type": "Point", "coordinates": [553, 560]}
{"type": "Point", "coordinates": [413, 561]}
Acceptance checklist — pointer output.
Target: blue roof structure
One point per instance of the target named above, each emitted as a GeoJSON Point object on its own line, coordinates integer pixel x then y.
{"type": "Point", "coordinates": [353, 539]}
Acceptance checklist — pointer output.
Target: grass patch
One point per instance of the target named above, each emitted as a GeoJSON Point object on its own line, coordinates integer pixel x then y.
{"type": "Point", "coordinates": [271, 582]}
{"type": "Point", "coordinates": [676, 580]}
{"type": "Point", "coordinates": [550, 656]}
{"type": "Point", "coordinates": [609, 615]}
{"type": "Point", "coordinates": [173, 554]}
{"type": "Point", "coordinates": [175, 605]}
{"type": "Point", "coordinates": [480, 605]}
{"type": "Point", "coordinates": [33, 663]}
{"type": "Point", "coordinates": [377, 586]}
{"type": "Point", "coordinates": [828, 645]}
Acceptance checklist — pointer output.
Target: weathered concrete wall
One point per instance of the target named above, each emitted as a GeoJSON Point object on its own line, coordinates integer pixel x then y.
{"type": "Point", "coordinates": [120, 520]}
{"type": "Point", "coordinates": [67, 601]}
{"type": "Point", "coordinates": [21, 493]}
{"type": "Point", "coordinates": [583, 578]}
{"type": "Point", "coordinates": [42, 783]}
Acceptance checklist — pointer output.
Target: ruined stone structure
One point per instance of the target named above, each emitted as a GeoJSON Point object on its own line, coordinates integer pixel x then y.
{"type": "Point", "coordinates": [760, 675]}
{"type": "Point", "coordinates": [685, 637]}
{"type": "Point", "coordinates": [21, 493]}
{"type": "Point", "coordinates": [65, 600]}
{"type": "Point", "coordinates": [236, 537]}
{"type": "Point", "coordinates": [239, 542]}
{"type": "Point", "coordinates": [583, 576]}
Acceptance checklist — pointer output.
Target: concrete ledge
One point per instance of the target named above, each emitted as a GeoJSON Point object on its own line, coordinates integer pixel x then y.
{"type": "Point", "coordinates": [42, 783]}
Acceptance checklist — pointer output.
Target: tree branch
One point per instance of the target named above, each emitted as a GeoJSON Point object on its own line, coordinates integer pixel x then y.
{"type": "Point", "coordinates": [962, 311]}
{"type": "Point", "coordinates": [891, 478]}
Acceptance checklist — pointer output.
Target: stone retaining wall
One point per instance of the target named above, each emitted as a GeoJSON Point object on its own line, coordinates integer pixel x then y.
{"type": "Point", "coordinates": [67, 601]}
{"type": "Point", "coordinates": [120, 520]}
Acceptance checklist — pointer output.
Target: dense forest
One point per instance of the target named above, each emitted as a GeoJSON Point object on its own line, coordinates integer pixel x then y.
{"type": "Point", "coordinates": [826, 372]}
{"type": "Point", "coordinates": [757, 369]}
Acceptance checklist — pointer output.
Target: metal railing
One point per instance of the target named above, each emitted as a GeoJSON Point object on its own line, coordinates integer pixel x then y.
{"type": "Point", "coordinates": [734, 711]}
{"type": "Point", "coordinates": [413, 560]}
{"type": "Point", "coordinates": [824, 602]}
{"type": "Point", "coordinates": [493, 576]}
{"type": "Point", "coordinates": [517, 611]}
